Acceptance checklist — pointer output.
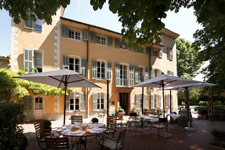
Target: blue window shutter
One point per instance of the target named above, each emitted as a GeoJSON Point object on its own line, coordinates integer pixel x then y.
{"type": "Point", "coordinates": [82, 101]}
{"type": "Point", "coordinates": [146, 101]}
{"type": "Point", "coordinates": [38, 25]}
{"type": "Point", "coordinates": [152, 101]}
{"type": "Point", "coordinates": [160, 101]}
{"type": "Point", "coordinates": [65, 61]}
{"type": "Point", "coordinates": [109, 41]}
{"type": "Point", "coordinates": [137, 102]}
{"type": "Point", "coordinates": [131, 75]}
{"type": "Point", "coordinates": [147, 50]}
{"type": "Point", "coordinates": [109, 70]}
{"type": "Point", "coordinates": [93, 37]}
{"type": "Point", "coordinates": [85, 35]}
{"type": "Point", "coordinates": [152, 51]}
{"type": "Point", "coordinates": [95, 101]}
{"type": "Point", "coordinates": [83, 66]}
{"type": "Point", "coordinates": [167, 101]}
{"type": "Point", "coordinates": [65, 31]}
{"type": "Point", "coordinates": [136, 74]}
{"type": "Point", "coordinates": [152, 73]}
{"type": "Point", "coordinates": [117, 72]}
{"type": "Point", "coordinates": [146, 73]}
{"type": "Point", "coordinates": [94, 69]}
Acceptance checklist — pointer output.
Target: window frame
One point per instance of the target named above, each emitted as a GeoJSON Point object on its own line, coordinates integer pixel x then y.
{"type": "Point", "coordinates": [74, 32]}
{"type": "Point", "coordinates": [33, 24]}
{"type": "Point", "coordinates": [105, 69]}
{"type": "Point", "coordinates": [74, 95]}
{"type": "Point", "coordinates": [139, 73]}
{"type": "Point", "coordinates": [74, 65]}
{"type": "Point", "coordinates": [122, 80]}
{"type": "Point", "coordinates": [42, 59]}
{"type": "Point", "coordinates": [99, 39]}
{"type": "Point", "coordinates": [100, 102]}
{"type": "Point", "coordinates": [37, 105]}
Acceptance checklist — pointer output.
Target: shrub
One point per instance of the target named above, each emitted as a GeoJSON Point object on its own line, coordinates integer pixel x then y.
{"type": "Point", "coordinates": [11, 114]}
{"type": "Point", "coordinates": [202, 110]}
{"type": "Point", "coordinates": [219, 137]}
{"type": "Point", "coordinates": [94, 120]}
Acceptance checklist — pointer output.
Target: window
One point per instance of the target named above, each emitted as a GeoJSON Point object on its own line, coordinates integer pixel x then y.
{"type": "Point", "coordinates": [100, 70]}
{"type": "Point", "coordinates": [138, 101]}
{"type": "Point", "coordinates": [74, 64]}
{"type": "Point", "coordinates": [101, 100]}
{"type": "Point", "coordinates": [157, 72]}
{"type": "Point", "coordinates": [140, 74]}
{"type": "Point", "coordinates": [169, 53]}
{"type": "Point", "coordinates": [74, 34]}
{"type": "Point", "coordinates": [74, 101]}
{"type": "Point", "coordinates": [123, 75]}
{"type": "Point", "coordinates": [101, 40]}
{"type": "Point", "coordinates": [35, 25]}
{"type": "Point", "coordinates": [38, 103]}
{"type": "Point", "coordinates": [33, 61]}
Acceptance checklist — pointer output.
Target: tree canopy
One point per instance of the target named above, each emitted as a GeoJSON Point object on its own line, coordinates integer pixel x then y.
{"type": "Point", "coordinates": [188, 62]}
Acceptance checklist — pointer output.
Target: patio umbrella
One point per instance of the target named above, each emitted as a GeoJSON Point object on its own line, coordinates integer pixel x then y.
{"type": "Point", "coordinates": [186, 87]}
{"type": "Point", "coordinates": [62, 79]}
{"type": "Point", "coordinates": [163, 81]}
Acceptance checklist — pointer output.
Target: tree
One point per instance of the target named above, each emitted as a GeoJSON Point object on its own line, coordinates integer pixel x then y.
{"type": "Point", "coordinates": [187, 65]}
{"type": "Point", "coordinates": [188, 62]}
{"type": "Point", "coordinates": [37, 8]}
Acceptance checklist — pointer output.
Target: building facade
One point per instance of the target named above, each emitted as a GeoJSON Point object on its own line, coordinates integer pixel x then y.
{"type": "Point", "coordinates": [98, 54]}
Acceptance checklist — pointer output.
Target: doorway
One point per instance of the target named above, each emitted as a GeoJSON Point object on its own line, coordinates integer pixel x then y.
{"type": "Point", "coordinates": [124, 101]}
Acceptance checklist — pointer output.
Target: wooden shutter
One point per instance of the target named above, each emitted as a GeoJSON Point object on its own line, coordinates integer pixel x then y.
{"type": "Point", "coordinates": [28, 60]}
{"type": "Point", "coordinates": [136, 74]}
{"type": "Point", "coordinates": [65, 31]}
{"type": "Point", "coordinates": [109, 70]}
{"type": "Point", "coordinates": [94, 69]}
{"type": "Point", "coordinates": [109, 41]}
{"type": "Point", "coordinates": [146, 101]}
{"type": "Point", "coordinates": [160, 101]}
{"type": "Point", "coordinates": [93, 37]}
{"type": "Point", "coordinates": [152, 73]}
{"type": "Point", "coordinates": [95, 96]}
{"type": "Point", "coordinates": [137, 102]}
{"type": "Point", "coordinates": [82, 101]}
{"type": "Point", "coordinates": [152, 101]}
{"type": "Point", "coordinates": [85, 35]}
{"type": "Point", "coordinates": [160, 53]}
{"type": "Point", "coordinates": [65, 61]}
{"type": "Point", "coordinates": [28, 103]}
{"type": "Point", "coordinates": [146, 73]}
{"type": "Point", "coordinates": [147, 50]}
{"type": "Point", "coordinates": [67, 103]}
{"type": "Point", "coordinates": [83, 66]}
{"type": "Point", "coordinates": [117, 43]}
{"type": "Point", "coordinates": [131, 75]}
{"type": "Point", "coordinates": [167, 100]}
{"type": "Point", "coordinates": [117, 71]}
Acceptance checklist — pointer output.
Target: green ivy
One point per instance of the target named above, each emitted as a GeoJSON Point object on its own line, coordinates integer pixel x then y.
{"type": "Point", "coordinates": [10, 86]}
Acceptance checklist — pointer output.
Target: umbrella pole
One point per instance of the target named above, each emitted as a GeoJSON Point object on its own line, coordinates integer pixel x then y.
{"type": "Point", "coordinates": [64, 117]}
{"type": "Point", "coordinates": [163, 100]}
{"type": "Point", "coordinates": [107, 102]}
{"type": "Point", "coordinates": [187, 101]}
{"type": "Point", "coordinates": [142, 109]}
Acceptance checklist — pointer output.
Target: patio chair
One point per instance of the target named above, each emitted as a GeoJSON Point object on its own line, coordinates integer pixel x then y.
{"type": "Point", "coordinates": [41, 133]}
{"type": "Point", "coordinates": [59, 143]}
{"type": "Point", "coordinates": [162, 124]}
{"type": "Point", "coordinates": [112, 124]}
{"type": "Point", "coordinates": [113, 143]}
{"type": "Point", "coordinates": [75, 118]}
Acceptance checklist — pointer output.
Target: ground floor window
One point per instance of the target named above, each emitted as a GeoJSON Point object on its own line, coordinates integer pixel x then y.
{"type": "Point", "coordinates": [74, 101]}
{"type": "Point", "coordinates": [74, 64]}
{"type": "Point", "coordinates": [38, 103]}
{"type": "Point", "coordinates": [100, 100]}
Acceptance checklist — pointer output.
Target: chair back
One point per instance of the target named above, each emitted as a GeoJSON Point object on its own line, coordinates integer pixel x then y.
{"type": "Point", "coordinates": [75, 118]}
{"type": "Point", "coordinates": [121, 137]}
{"type": "Point", "coordinates": [163, 120]}
{"type": "Point", "coordinates": [111, 120]}
{"type": "Point", "coordinates": [57, 143]}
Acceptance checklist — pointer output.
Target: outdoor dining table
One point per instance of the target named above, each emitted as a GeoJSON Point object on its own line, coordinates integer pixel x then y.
{"type": "Point", "coordinates": [174, 116]}
{"type": "Point", "coordinates": [81, 131]}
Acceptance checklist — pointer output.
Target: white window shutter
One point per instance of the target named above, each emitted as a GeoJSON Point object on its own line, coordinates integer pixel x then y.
{"type": "Point", "coordinates": [137, 102]}
{"type": "Point", "coordinates": [82, 101]}
{"type": "Point", "coordinates": [95, 101]}
{"type": "Point", "coordinates": [65, 61]}
{"type": "Point", "coordinates": [152, 101]}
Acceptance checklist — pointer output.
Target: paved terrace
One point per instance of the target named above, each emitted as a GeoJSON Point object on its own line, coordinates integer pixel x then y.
{"type": "Point", "coordinates": [141, 139]}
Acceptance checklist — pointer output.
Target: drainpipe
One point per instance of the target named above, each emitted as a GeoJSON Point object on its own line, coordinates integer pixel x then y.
{"type": "Point", "coordinates": [87, 71]}
{"type": "Point", "coordinates": [149, 72]}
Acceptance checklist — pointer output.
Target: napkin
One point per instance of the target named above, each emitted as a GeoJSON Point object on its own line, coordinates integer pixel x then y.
{"type": "Point", "coordinates": [97, 130]}
{"type": "Point", "coordinates": [65, 131]}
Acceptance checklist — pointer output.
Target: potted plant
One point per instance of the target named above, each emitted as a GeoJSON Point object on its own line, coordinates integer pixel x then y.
{"type": "Point", "coordinates": [146, 112]}
{"type": "Point", "coordinates": [120, 113]}
{"type": "Point", "coordinates": [203, 113]}
{"type": "Point", "coordinates": [133, 111]}
{"type": "Point", "coordinates": [94, 120]}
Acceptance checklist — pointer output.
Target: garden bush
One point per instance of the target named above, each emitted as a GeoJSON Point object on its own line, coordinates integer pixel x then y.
{"type": "Point", "coordinates": [11, 115]}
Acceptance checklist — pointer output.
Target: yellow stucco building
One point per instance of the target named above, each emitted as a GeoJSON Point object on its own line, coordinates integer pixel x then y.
{"type": "Point", "coordinates": [98, 54]}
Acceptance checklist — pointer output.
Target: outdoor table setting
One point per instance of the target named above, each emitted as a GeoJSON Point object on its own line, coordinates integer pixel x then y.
{"type": "Point", "coordinates": [81, 130]}
{"type": "Point", "coordinates": [174, 116]}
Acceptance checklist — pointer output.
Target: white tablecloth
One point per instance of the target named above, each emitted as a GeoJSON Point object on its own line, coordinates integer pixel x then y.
{"type": "Point", "coordinates": [174, 116]}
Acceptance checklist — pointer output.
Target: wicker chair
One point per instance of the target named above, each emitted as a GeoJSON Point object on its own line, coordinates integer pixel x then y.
{"type": "Point", "coordinates": [59, 143]}
{"type": "Point", "coordinates": [112, 143]}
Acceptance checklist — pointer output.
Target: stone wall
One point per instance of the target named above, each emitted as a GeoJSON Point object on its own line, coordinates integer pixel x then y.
{"type": "Point", "coordinates": [4, 62]}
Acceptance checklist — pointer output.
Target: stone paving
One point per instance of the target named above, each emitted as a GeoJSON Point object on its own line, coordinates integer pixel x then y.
{"type": "Point", "coordinates": [143, 139]}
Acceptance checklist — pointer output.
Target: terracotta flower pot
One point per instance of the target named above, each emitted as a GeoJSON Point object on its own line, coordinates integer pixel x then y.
{"type": "Point", "coordinates": [120, 115]}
